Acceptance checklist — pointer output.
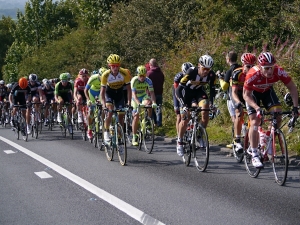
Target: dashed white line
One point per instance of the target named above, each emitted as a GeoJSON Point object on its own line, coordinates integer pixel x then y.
{"type": "Point", "coordinates": [9, 151]}
{"type": "Point", "coordinates": [43, 175]}
{"type": "Point", "coordinates": [116, 202]}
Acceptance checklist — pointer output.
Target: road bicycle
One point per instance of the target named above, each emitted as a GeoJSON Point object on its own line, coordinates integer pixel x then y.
{"type": "Point", "coordinates": [51, 115]}
{"type": "Point", "coordinates": [117, 138]}
{"type": "Point", "coordinates": [128, 124]}
{"type": "Point", "coordinates": [35, 120]}
{"type": "Point", "coordinates": [195, 141]}
{"type": "Point", "coordinates": [66, 122]}
{"type": "Point", "coordinates": [5, 113]}
{"type": "Point", "coordinates": [20, 123]}
{"type": "Point", "coordinates": [275, 152]}
{"type": "Point", "coordinates": [83, 125]}
{"type": "Point", "coordinates": [145, 130]}
{"type": "Point", "coordinates": [98, 127]}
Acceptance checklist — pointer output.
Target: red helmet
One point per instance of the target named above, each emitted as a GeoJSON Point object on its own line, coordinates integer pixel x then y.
{"type": "Point", "coordinates": [266, 59]}
{"type": "Point", "coordinates": [248, 59]}
{"type": "Point", "coordinates": [83, 71]}
{"type": "Point", "coordinates": [23, 83]}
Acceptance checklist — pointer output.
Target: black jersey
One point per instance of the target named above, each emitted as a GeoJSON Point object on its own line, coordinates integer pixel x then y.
{"type": "Point", "coordinates": [34, 88]}
{"type": "Point", "coordinates": [18, 92]}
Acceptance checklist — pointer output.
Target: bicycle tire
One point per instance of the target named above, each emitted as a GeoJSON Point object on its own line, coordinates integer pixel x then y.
{"type": "Point", "coordinates": [25, 134]}
{"type": "Point", "coordinates": [36, 129]}
{"type": "Point", "coordinates": [109, 150]}
{"type": "Point", "coordinates": [128, 129]}
{"type": "Point", "coordinates": [16, 132]}
{"type": "Point", "coordinates": [148, 135]}
{"type": "Point", "coordinates": [122, 155]}
{"type": "Point", "coordinates": [280, 159]}
{"type": "Point", "coordinates": [187, 148]}
{"type": "Point", "coordinates": [100, 133]}
{"type": "Point", "coordinates": [200, 148]}
{"type": "Point", "coordinates": [251, 170]}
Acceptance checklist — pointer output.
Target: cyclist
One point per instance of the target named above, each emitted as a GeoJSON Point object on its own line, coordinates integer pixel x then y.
{"type": "Point", "coordinates": [191, 87]}
{"type": "Point", "coordinates": [36, 92]}
{"type": "Point", "coordinates": [20, 94]}
{"type": "Point", "coordinates": [63, 94]}
{"type": "Point", "coordinates": [140, 84]}
{"type": "Point", "coordinates": [231, 60]}
{"type": "Point", "coordinates": [79, 96]}
{"type": "Point", "coordinates": [112, 82]}
{"type": "Point", "coordinates": [258, 87]}
{"type": "Point", "coordinates": [3, 98]}
{"type": "Point", "coordinates": [48, 92]}
{"type": "Point", "coordinates": [236, 95]}
{"type": "Point", "coordinates": [92, 92]}
{"type": "Point", "coordinates": [184, 68]}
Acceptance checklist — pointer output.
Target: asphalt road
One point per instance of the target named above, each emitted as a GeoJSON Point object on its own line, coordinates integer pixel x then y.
{"type": "Point", "coordinates": [56, 180]}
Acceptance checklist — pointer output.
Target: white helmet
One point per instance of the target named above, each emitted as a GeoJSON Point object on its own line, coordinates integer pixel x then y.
{"type": "Point", "coordinates": [185, 66]}
{"type": "Point", "coordinates": [33, 77]}
{"type": "Point", "coordinates": [206, 61]}
{"type": "Point", "coordinates": [2, 82]}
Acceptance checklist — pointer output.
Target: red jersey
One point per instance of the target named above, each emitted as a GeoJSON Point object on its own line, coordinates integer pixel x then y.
{"type": "Point", "coordinates": [80, 84]}
{"type": "Point", "coordinates": [257, 82]}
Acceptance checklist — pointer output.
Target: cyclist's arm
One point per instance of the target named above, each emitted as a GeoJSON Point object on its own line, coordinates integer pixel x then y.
{"type": "Point", "coordinates": [135, 98]}
{"type": "Point", "coordinates": [128, 94]}
{"type": "Point", "coordinates": [75, 93]}
{"type": "Point", "coordinates": [247, 95]}
{"type": "Point", "coordinates": [102, 94]}
{"type": "Point", "coordinates": [86, 92]}
{"type": "Point", "coordinates": [294, 92]}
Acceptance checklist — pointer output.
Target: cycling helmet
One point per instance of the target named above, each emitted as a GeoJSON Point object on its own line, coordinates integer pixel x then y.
{"type": "Point", "coordinates": [33, 77]}
{"type": "Point", "coordinates": [102, 70]}
{"type": "Point", "coordinates": [185, 66]}
{"type": "Point", "coordinates": [44, 80]}
{"type": "Point", "coordinates": [23, 83]}
{"type": "Point", "coordinates": [266, 59]}
{"type": "Point", "coordinates": [9, 86]}
{"type": "Point", "coordinates": [288, 99]}
{"type": "Point", "coordinates": [206, 61]}
{"type": "Point", "coordinates": [83, 72]}
{"type": "Point", "coordinates": [2, 82]}
{"type": "Point", "coordinates": [95, 72]}
{"type": "Point", "coordinates": [248, 59]}
{"type": "Point", "coordinates": [113, 59]}
{"type": "Point", "coordinates": [63, 76]}
{"type": "Point", "coordinates": [141, 70]}
{"type": "Point", "coordinates": [46, 83]}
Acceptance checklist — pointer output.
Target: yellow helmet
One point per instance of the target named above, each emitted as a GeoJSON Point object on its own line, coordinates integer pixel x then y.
{"type": "Point", "coordinates": [113, 59]}
{"type": "Point", "coordinates": [141, 70]}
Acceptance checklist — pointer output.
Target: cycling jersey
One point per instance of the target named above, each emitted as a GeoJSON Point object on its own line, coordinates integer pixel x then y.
{"type": "Point", "coordinates": [35, 88]}
{"type": "Point", "coordinates": [192, 86]}
{"type": "Point", "coordinates": [49, 93]}
{"type": "Point", "coordinates": [3, 93]}
{"type": "Point", "coordinates": [94, 83]}
{"type": "Point", "coordinates": [238, 79]}
{"type": "Point", "coordinates": [115, 83]}
{"type": "Point", "coordinates": [62, 90]}
{"type": "Point", "coordinates": [80, 84]}
{"type": "Point", "coordinates": [20, 95]}
{"type": "Point", "coordinates": [140, 88]}
{"type": "Point", "coordinates": [257, 82]}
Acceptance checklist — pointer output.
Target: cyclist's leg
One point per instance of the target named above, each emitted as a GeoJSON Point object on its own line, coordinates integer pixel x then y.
{"type": "Point", "coordinates": [135, 122]}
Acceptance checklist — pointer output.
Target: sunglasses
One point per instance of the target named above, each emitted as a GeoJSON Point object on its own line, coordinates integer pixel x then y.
{"type": "Point", "coordinates": [267, 67]}
{"type": "Point", "coordinates": [249, 66]}
{"type": "Point", "coordinates": [205, 69]}
{"type": "Point", "coordinates": [114, 65]}
{"type": "Point", "coordinates": [142, 75]}
{"type": "Point", "coordinates": [64, 81]}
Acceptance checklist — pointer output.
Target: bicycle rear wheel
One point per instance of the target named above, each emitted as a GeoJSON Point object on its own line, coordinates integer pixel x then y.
{"type": "Point", "coordinates": [200, 148]}
{"type": "Point", "coordinates": [187, 148]}
{"type": "Point", "coordinates": [24, 131]}
{"type": "Point", "coordinates": [148, 134]}
{"type": "Point", "coordinates": [251, 170]}
{"type": "Point", "coordinates": [128, 129]}
{"type": "Point", "coordinates": [121, 147]}
{"type": "Point", "coordinates": [280, 160]}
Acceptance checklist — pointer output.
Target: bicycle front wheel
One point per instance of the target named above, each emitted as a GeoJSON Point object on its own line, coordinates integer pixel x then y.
{"type": "Point", "coordinates": [251, 170]}
{"type": "Point", "coordinates": [109, 149]}
{"type": "Point", "coordinates": [121, 146]}
{"type": "Point", "coordinates": [187, 148]}
{"type": "Point", "coordinates": [280, 159]}
{"type": "Point", "coordinates": [148, 134]}
{"type": "Point", "coordinates": [200, 148]}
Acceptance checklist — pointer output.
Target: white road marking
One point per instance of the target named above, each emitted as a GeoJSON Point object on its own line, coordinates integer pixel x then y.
{"type": "Point", "coordinates": [43, 175]}
{"type": "Point", "coordinates": [116, 202]}
{"type": "Point", "coordinates": [9, 151]}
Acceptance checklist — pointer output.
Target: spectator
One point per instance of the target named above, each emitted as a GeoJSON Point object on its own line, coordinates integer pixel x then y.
{"type": "Point", "coordinates": [158, 79]}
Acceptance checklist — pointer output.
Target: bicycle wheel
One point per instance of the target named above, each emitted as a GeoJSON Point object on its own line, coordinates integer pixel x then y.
{"type": "Point", "coordinates": [251, 170]}
{"type": "Point", "coordinates": [3, 120]}
{"type": "Point", "coordinates": [16, 131]}
{"type": "Point", "coordinates": [24, 131]}
{"type": "Point", "coordinates": [200, 148]}
{"type": "Point", "coordinates": [109, 149]}
{"type": "Point", "coordinates": [36, 129]}
{"type": "Point", "coordinates": [148, 134]}
{"type": "Point", "coordinates": [100, 133]}
{"type": "Point", "coordinates": [128, 129]}
{"type": "Point", "coordinates": [280, 160]}
{"type": "Point", "coordinates": [187, 148]}
{"type": "Point", "coordinates": [121, 146]}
